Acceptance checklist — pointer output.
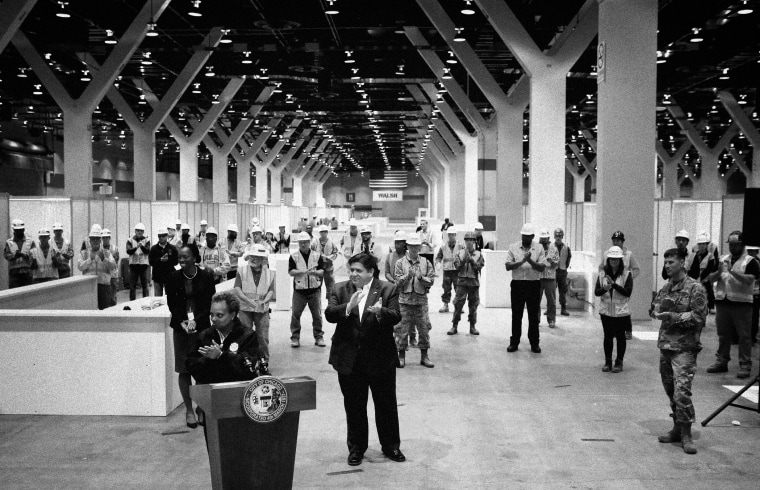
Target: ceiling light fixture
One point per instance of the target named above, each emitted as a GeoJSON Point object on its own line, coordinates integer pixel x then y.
{"type": "Point", "coordinates": [62, 13]}
{"type": "Point", "coordinates": [746, 9]}
{"type": "Point", "coordinates": [146, 59]}
{"type": "Point", "coordinates": [110, 39]}
{"type": "Point", "coordinates": [355, 74]}
{"type": "Point", "coordinates": [332, 10]}
{"type": "Point", "coordinates": [724, 74]}
{"type": "Point", "coordinates": [196, 88]}
{"type": "Point", "coordinates": [247, 58]}
{"type": "Point", "coordinates": [446, 74]}
{"type": "Point", "coordinates": [210, 71]}
{"type": "Point", "coordinates": [263, 75]}
{"type": "Point", "coordinates": [467, 10]}
{"type": "Point", "coordinates": [195, 10]}
{"type": "Point", "coordinates": [458, 36]}
{"type": "Point", "coordinates": [37, 89]}
{"type": "Point", "coordinates": [85, 76]}
{"type": "Point", "coordinates": [451, 60]}
{"type": "Point", "coordinates": [400, 70]}
{"type": "Point", "coordinates": [225, 40]}
{"type": "Point", "coordinates": [696, 38]}
{"type": "Point", "coordinates": [22, 72]}
{"type": "Point", "coordinates": [151, 23]}
{"type": "Point", "coordinates": [349, 59]}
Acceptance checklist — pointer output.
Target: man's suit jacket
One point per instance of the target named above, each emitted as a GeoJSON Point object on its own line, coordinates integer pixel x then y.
{"type": "Point", "coordinates": [370, 339]}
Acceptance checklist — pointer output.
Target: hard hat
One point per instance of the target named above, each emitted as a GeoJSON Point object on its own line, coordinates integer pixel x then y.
{"type": "Point", "coordinates": [57, 226]}
{"type": "Point", "coordinates": [256, 229]}
{"type": "Point", "coordinates": [255, 251]}
{"type": "Point", "coordinates": [185, 226]}
{"type": "Point", "coordinates": [683, 234]}
{"type": "Point", "coordinates": [282, 225]}
{"type": "Point", "coordinates": [615, 252]}
{"type": "Point", "coordinates": [232, 227]}
{"type": "Point", "coordinates": [106, 233]}
{"type": "Point", "coordinates": [177, 222]}
{"type": "Point", "coordinates": [303, 237]}
{"type": "Point", "coordinates": [413, 240]}
{"type": "Point", "coordinates": [365, 229]}
{"type": "Point", "coordinates": [140, 226]}
{"type": "Point", "coordinates": [17, 224]}
{"type": "Point", "coordinates": [96, 231]}
{"type": "Point", "coordinates": [255, 220]}
{"type": "Point", "coordinates": [353, 222]}
{"type": "Point", "coordinates": [162, 231]}
{"type": "Point", "coordinates": [618, 235]}
{"type": "Point", "coordinates": [478, 226]}
{"type": "Point", "coordinates": [452, 230]}
{"type": "Point", "coordinates": [399, 236]}
{"type": "Point", "coordinates": [204, 222]}
{"type": "Point", "coordinates": [43, 232]}
{"type": "Point", "coordinates": [470, 235]}
{"type": "Point", "coordinates": [322, 228]}
{"type": "Point", "coordinates": [544, 233]}
{"type": "Point", "coordinates": [211, 231]}
{"type": "Point", "coordinates": [752, 247]}
{"type": "Point", "coordinates": [703, 237]}
{"type": "Point", "coordinates": [527, 229]}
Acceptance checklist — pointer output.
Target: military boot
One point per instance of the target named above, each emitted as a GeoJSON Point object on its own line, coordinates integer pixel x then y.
{"type": "Point", "coordinates": [425, 360]}
{"type": "Point", "coordinates": [444, 308]}
{"type": "Point", "coordinates": [401, 358]}
{"type": "Point", "coordinates": [674, 435]}
{"type": "Point", "coordinates": [473, 330]}
{"type": "Point", "coordinates": [686, 442]}
{"type": "Point", "coordinates": [452, 330]}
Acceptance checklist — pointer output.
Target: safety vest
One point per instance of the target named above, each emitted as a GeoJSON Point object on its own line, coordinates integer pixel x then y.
{"type": "Point", "coordinates": [101, 268]}
{"type": "Point", "coordinates": [348, 250]}
{"type": "Point", "coordinates": [215, 259]}
{"type": "Point", "coordinates": [728, 287]}
{"type": "Point", "coordinates": [306, 281]}
{"type": "Point", "coordinates": [67, 253]}
{"type": "Point", "coordinates": [253, 291]}
{"type": "Point", "coordinates": [19, 266]}
{"type": "Point", "coordinates": [448, 253]}
{"type": "Point", "coordinates": [115, 254]}
{"type": "Point", "coordinates": [414, 285]}
{"type": "Point", "coordinates": [327, 250]}
{"type": "Point", "coordinates": [237, 248]}
{"type": "Point", "coordinates": [426, 236]}
{"type": "Point", "coordinates": [139, 257]}
{"type": "Point", "coordinates": [612, 303]}
{"type": "Point", "coordinates": [45, 266]}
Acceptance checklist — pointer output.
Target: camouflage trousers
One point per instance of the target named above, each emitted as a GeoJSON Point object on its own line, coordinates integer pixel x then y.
{"type": "Point", "coordinates": [413, 315]}
{"type": "Point", "coordinates": [677, 372]}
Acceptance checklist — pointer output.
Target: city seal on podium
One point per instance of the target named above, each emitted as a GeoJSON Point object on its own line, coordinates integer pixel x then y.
{"type": "Point", "coordinates": [265, 399]}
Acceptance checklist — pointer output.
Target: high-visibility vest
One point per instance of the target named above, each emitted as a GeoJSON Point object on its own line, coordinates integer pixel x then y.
{"type": "Point", "coordinates": [306, 281]}
{"type": "Point", "coordinates": [19, 265]}
{"type": "Point", "coordinates": [728, 287]}
{"type": "Point", "coordinates": [612, 303]}
{"type": "Point", "coordinates": [253, 291]}
{"type": "Point", "coordinates": [45, 267]}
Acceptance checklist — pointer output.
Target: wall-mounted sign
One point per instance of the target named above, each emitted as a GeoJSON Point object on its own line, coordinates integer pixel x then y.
{"type": "Point", "coordinates": [387, 195]}
{"type": "Point", "coordinates": [350, 197]}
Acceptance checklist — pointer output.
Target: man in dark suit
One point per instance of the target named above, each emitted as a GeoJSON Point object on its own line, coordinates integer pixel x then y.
{"type": "Point", "coordinates": [363, 352]}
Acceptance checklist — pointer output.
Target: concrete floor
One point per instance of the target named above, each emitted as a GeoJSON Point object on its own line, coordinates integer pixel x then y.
{"type": "Point", "coordinates": [482, 418]}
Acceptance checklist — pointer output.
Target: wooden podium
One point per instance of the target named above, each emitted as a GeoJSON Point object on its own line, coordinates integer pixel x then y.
{"type": "Point", "coordinates": [244, 454]}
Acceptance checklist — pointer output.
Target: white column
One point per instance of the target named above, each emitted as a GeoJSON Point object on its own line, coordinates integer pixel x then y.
{"type": "Point", "coordinates": [625, 149]}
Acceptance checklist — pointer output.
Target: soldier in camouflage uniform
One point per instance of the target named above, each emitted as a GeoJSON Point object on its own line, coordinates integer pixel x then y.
{"type": "Point", "coordinates": [414, 276]}
{"type": "Point", "coordinates": [681, 304]}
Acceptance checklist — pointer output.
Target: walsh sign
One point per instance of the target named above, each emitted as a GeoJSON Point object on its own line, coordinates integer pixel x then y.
{"type": "Point", "coordinates": [387, 195]}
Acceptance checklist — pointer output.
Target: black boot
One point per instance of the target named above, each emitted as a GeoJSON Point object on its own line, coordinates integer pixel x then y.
{"type": "Point", "coordinates": [401, 358]}
{"type": "Point", "coordinates": [674, 435]}
{"type": "Point", "coordinates": [686, 442]}
{"type": "Point", "coordinates": [425, 360]}
{"type": "Point", "coordinates": [452, 330]}
{"type": "Point", "coordinates": [473, 330]}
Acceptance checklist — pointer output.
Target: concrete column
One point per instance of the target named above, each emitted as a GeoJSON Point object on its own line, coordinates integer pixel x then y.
{"type": "Point", "coordinates": [188, 171]}
{"type": "Point", "coordinates": [547, 150]}
{"type": "Point", "coordinates": [243, 182]}
{"type": "Point", "coordinates": [747, 127]}
{"type": "Point", "coordinates": [12, 15]}
{"type": "Point", "coordinates": [221, 190]}
{"type": "Point", "coordinates": [144, 171]}
{"type": "Point", "coordinates": [77, 151]}
{"type": "Point", "coordinates": [625, 149]}
{"type": "Point", "coordinates": [276, 181]}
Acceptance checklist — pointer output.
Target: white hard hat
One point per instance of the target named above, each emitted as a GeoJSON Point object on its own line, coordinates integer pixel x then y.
{"type": "Point", "coordinates": [57, 226]}
{"type": "Point", "coordinates": [282, 225]}
{"type": "Point", "coordinates": [204, 222]}
{"type": "Point", "coordinates": [232, 227]}
{"type": "Point", "coordinates": [365, 229]}
{"type": "Point", "coordinates": [322, 228]}
{"type": "Point", "coordinates": [399, 236]}
{"type": "Point", "coordinates": [43, 232]}
{"type": "Point", "coordinates": [162, 231]}
{"type": "Point", "coordinates": [303, 236]}
{"type": "Point", "coordinates": [752, 247]}
{"type": "Point", "coordinates": [452, 230]}
{"type": "Point", "coordinates": [17, 224]}
{"type": "Point", "coordinates": [527, 229]}
{"type": "Point", "coordinates": [255, 220]}
{"type": "Point", "coordinates": [140, 226]}
{"type": "Point", "coordinates": [353, 222]}
{"type": "Point", "coordinates": [544, 233]}
{"type": "Point", "coordinates": [96, 231]}
{"type": "Point", "coordinates": [256, 229]}
{"type": "Point", "coordinates": [255, 251]}
{"type": "Point", "coordinates": [615, 252]}
{"type": "Point", "coordinates": [211, 231]}
{"type": "Point", "coordinates": [185, 226]}
{"type": "Point", "coordinates": [413, 240]}
{"type": "Point", "coordinates": [106, 233]}
{"type": "Point", "coordinates": [703, 237]}
{"type": "Point", "coordinates": [683, 234]}
{"type": "Point", "coordinates": [177, 222]}
{"type": "Point", "coordinates": [478, 225]}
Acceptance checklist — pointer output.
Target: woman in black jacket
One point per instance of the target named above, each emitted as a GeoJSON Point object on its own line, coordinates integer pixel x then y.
{"type": "Point", "coordinates": [189, 292]}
